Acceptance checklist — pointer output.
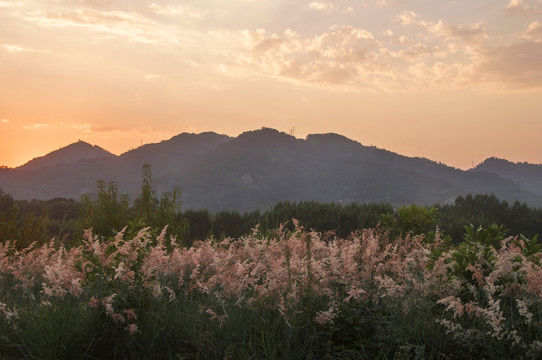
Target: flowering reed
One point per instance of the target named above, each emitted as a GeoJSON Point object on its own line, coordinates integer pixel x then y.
{"type": "Point", "coordinates": [301, 279]}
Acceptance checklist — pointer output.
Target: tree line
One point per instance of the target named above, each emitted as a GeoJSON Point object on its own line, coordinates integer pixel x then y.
{"type": "Point", "coordinates": [108, 212]}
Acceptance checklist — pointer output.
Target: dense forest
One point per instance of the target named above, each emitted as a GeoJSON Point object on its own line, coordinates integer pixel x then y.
{"type": "Point", "coordinates": [107, 212]}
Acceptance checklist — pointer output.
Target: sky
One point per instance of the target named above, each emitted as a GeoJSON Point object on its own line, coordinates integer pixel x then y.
{"type": "Point", "coordinates": [455, 81]}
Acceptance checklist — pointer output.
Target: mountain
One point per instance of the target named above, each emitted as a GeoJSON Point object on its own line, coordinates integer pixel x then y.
{"type": "Point", "coordinates": [524, 175]}
{"type": "Point", "coordinates": [71, 172]}
{"type": "Point", "coordinates": [167, 158]}
{"type": "Point", "coordinates": [78, 151]}
{"type": "Point", "coordinates": [260, 168]}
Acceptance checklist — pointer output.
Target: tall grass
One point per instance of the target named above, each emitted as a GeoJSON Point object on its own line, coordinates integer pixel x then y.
{"type": "Point", "coordinates": [282, 295]}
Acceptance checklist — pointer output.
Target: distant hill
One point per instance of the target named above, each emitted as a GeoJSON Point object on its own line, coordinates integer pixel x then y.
{"type": "Point", "coordinates": [525, 175]}
{"type": "Point", "coordinates": [75, 152]}
{"type": "Point", "coordinates": [260, 168]}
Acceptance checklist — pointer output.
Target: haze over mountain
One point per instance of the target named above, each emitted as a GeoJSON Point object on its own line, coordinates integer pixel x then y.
{"type": "Point", "coordinates": [259, 168]}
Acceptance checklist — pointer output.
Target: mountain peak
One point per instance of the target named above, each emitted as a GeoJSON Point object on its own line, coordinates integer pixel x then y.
{"type": "Point", "coordinates": [494, 161]}
{"type": "Point", "coordinates": [265, 136]}
{"type": "Point", "coordinates": [76, 151]}
{"type": "Point", "coordinates": [493, 164]}
{"type": "Point", "coordinates": [194, 135]}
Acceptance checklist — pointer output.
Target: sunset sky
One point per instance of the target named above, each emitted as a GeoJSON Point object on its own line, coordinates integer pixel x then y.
{"type": "Point", "coordinates": [455, 81]}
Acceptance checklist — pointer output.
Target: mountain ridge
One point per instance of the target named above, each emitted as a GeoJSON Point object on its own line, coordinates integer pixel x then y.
{"type": "Point", "coordinates": [261, 167]}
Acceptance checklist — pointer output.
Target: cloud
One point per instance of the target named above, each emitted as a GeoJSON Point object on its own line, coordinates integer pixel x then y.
{"type": "Point", "coordinates": [389, 3]}
{"type": "Point", "coordinates": [11, 4]}
{"type": "Point", "coordinates": [419, 50]}
{"type": "Point", "coordinates": [534, 32]}
{"type": "Point", "coordinates": [407, 18]}
{"type": "Point", "coordinates": [13, 49]}
{"type": "Point", "coordinates": [521, 8]}
{"type": "Point", "coordinates": [101, 130]}
{"type": "Point", "coordinates": [396, 39]}
{"type": "Point", "coordinates": [131, 25]}
{"type": "Point", "coordinates": [353, 58]}
{"type": "Point", "coordinates": [175, 11]}
{"type": "Point", "coordinates": [334, 57]}
{"type": "Point", "coordinates": [36, 126]}
{"type": "Point", "coordinates": [167, 10]}
{"type": "Point", "coordinates": [422, 53]}
{"type": "Point", "coordinates": [4, 121]}
{"type": "Point", "coordinates": [410, 51]}
{"type": "Point", "coordinates": [410, 18]}
{"type": "Point", "coordinates": [97, 3]}
{"type": "Point", "coordinates": [89, 128]}
{"type": "Point", "coordinates": [322, 6]}
{"type": "Point", "coordinates": [152, 76]}
{"type": "Point", "coordinates": [439, 28]}
{"type": "Point", "coordinates": [474, 33]}
{"type": "Point", "coordinates": [514, 66]}
{"type": "Point", "coordinates": [17, 49]}
{"type": "Point", "coordinates": [86, 16]}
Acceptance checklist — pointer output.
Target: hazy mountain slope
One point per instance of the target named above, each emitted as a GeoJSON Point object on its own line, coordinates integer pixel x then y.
{"type": "Point", "coordinates": [64, 172]}
{"type": "Point", "coordinates": [69, 180]}
{"type": "Point", "coordinates": [259, 168]}
{"type": "Point", "coordinates": [527, 176]}
{"type": "Point", "coordinates": [54, 178]}
{"type": "Point", "coordinates": [166, 157]}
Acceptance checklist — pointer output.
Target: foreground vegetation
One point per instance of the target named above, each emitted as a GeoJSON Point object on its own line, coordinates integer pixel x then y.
{"type": "Point", "coordinates": [282, 295]}
{"type": "Point", "coordinates": [143, 280]}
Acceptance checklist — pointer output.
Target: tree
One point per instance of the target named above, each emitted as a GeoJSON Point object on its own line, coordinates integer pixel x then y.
{"type": "Point", "coordinates": [6, 202]}
{"type": "Point", "coordinates": [108, 214]}
{"type": "Point", "coordinates": [169, 213]}
{"type": "Point", "coordinates": [146, 202]}
{"type": "Point", "coordinates": [411, 219]}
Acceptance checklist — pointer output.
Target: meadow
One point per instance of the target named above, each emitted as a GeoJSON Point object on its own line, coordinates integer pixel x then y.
{"type": "Point", "coordinates": [290, 293]}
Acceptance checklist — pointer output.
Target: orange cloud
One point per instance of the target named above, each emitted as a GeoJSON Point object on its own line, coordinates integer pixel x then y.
{"type": "Point", "coordinates": [35, 126]}
{"type": "Point", "coordinates": [97, 3]}
{"type": "Point", "coordinates": [18, 49]}
{"type": "Point", "coordinates": [351, 57]}
{"type": "Point", "coordinates": [167, 10]}
{"type": "Point", "coordinates": [335, 57]}
{"type": "Point", "coordinates": [101, 130]}
{"type": "Point", "coordinates": [11, 4]}
{"type": "Point", "coordinates": [176, 11]}
{"type": "Point", "coordinates": [419, 50]}
{"type": "Point", "coordinates": [322, 6]}
{"type": "Point", "coordinates": [515, 66]}
{"type": "Point", "coordinates": [12, 49]}
{"type": "Point", "coordinates": [521, 8]}
{"type": "Point", "coordinates": [534, 32]}
{"type": "Point", "coordinates": [474, 33]}
{"type": "Point", "coordinates": [133, 26]}
{"type": "Point", "coordinates": [388, 3]}
{"type": "Point", "coordinates": [396, 39]}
